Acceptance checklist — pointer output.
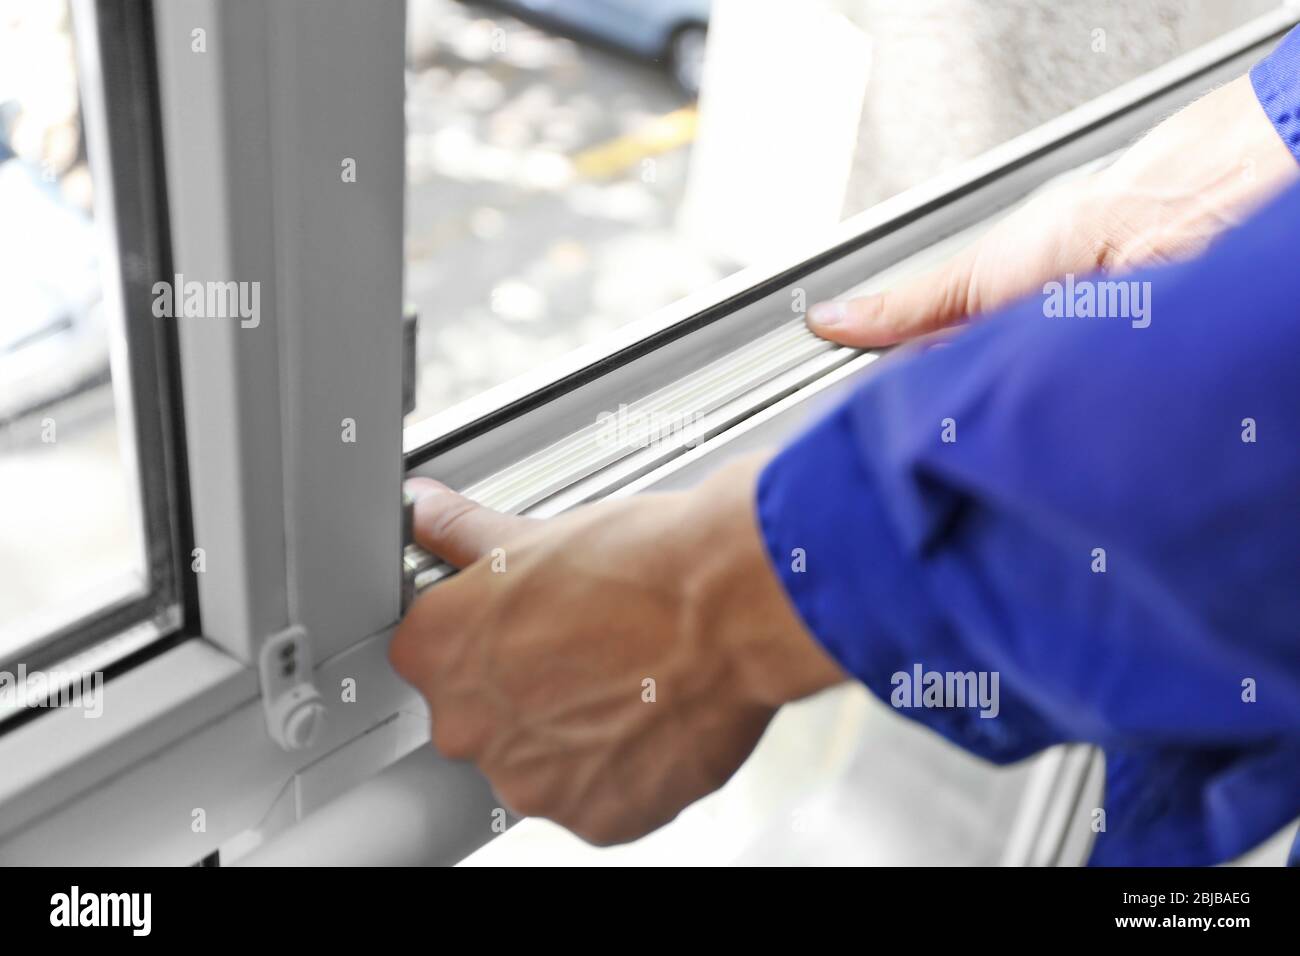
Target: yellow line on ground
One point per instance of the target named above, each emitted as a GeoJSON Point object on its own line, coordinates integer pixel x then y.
{"type": "Point", "coordinates": [660, 135]}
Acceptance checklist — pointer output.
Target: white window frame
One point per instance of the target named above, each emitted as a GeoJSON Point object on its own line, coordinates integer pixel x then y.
{"type": "Point", "coordinates": [303, 531]}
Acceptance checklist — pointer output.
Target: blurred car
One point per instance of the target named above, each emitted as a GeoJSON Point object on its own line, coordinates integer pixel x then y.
{"type": "Point", "coordinates": [53, 341]}
{"type": "Point", "coordinates": [671, 32]}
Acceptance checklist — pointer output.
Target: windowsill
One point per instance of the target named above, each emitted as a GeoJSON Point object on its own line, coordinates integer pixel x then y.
{"type": "Point", "coordinates": [63, 752]}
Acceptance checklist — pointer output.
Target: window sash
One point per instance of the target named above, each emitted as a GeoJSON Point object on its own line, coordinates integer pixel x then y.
{"type": "Point", "coordinates": [481, 443]}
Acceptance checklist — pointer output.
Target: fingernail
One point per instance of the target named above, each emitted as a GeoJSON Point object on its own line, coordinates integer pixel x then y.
{"type": "Point", "coordinates": [827, 314]}
{"type": "Point", "coordinates": [419, 488]}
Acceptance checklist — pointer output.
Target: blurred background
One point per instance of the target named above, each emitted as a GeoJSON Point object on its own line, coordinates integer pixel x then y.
{"type": "Point", "coordinates": [574, 165]}
{"type": "Point", "coordinates": [69, 533]}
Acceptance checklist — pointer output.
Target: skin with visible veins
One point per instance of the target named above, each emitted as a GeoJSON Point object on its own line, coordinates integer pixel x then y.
{"type": "Point", "coordinates": [536, 657]}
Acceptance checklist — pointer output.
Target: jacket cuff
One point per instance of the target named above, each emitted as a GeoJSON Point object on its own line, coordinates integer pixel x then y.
{"type": "Point", "coordinates": [1276, 81]}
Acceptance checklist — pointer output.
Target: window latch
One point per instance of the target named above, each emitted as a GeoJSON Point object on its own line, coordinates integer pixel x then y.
{"type": "Point", "coordinates": [294, 708]}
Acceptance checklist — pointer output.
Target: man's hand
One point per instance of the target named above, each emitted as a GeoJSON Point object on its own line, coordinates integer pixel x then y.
{"type": "Point", "coordinates": [608, 667]}
{"type": "Point", "coordinates": [1200, 171]}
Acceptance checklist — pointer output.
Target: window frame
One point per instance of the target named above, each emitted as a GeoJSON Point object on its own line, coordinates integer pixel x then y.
{"type": "Point", "coordinates": [255, 137]}
{"type": "Point", "coordinates": [185, 729]}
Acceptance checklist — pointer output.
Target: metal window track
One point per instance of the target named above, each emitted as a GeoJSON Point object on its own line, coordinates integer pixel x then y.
{"type": "Point", "coordinates": [669, 417]}
{"type": "Point", "coordinates": [644, 433]}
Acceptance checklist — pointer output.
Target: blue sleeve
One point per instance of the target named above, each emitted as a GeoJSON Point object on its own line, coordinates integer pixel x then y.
{"type": "Point", "coordinates": [1100, 513]}
{"type": "Point", "coordinates": [1276, 81]}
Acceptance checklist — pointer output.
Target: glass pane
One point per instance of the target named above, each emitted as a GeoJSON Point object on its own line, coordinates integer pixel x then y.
{"type": "Point", "coordinates": [70, 537]}
{"type": "Point", "coordinates": [564, 178]}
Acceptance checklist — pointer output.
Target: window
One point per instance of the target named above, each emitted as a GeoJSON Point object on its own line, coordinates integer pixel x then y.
{"type": "Point", "coordinates": [88, 537]}
{"type": "Point", "coordinates": [265, 142]}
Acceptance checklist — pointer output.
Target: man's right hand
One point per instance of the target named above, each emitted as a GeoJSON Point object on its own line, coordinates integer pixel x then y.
{"type": "Point", "coordinates": [1199, 172]}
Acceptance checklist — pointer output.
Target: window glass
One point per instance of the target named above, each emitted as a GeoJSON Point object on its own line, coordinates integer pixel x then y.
{"type": "Point", "coordinates": [70, 538]}
{"type": "Point", "coordinates": [574, 165]}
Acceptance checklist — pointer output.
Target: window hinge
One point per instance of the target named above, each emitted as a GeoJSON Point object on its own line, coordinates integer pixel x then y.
{"type": "Point", "coordinates": [293, 706]}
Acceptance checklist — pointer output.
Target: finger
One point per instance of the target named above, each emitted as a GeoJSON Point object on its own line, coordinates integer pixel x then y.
{"type": "Point", "coordinates": [916, 307]}
{"type": "Point", "coordinates": [456, 529]}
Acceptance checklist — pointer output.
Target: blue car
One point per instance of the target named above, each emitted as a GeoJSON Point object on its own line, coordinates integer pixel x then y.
{"type": "Point", "coordinates": [668, 31]}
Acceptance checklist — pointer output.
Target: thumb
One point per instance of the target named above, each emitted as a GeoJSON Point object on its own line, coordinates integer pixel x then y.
{"type": "Point", "coordinates": [456, 529]}
{"type": "Point", "coordinates": [916, 307]}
